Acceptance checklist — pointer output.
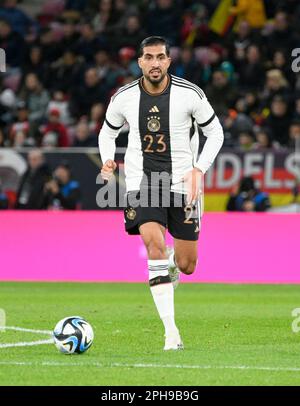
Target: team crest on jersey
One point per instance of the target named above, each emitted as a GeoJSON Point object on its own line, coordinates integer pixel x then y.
{"type": "Point", "coordinates": [130, 214]}
{"type": "Point", "coordinates": [153, 124]}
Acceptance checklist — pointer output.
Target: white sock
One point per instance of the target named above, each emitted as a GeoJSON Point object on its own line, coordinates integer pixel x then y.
{"type": "Point", "coordinates": [162, 292]}
{"type": "Point", "coordinates": [172, 263]}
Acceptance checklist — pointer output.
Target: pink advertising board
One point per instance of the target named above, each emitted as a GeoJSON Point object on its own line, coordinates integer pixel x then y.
{"type": "Point", "coordinates": [93, 246]}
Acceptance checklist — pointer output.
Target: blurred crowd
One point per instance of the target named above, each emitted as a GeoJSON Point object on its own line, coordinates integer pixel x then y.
{"type": "Point", "coordinates": [64, 63]}
{"type": "Point", "coordinates": [40, 188]}
{"type": "Point", "coordinates": [247, 197]}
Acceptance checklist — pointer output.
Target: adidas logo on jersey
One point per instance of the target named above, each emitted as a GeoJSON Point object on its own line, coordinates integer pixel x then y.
{"type": "Point", "coordinates": [154, 109]}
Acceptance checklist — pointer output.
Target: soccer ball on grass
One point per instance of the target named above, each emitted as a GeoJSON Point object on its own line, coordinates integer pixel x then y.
{"type": "Point", "coordinates": [73, 335]}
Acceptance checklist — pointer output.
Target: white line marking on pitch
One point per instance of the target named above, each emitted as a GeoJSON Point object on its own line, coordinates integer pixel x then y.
{"type": "Point", "coordinates": [26, 343]}
{"type": "Point", "coordinates": [207, 367]}
{"type": "Point", "coordinates": [118, 365]}
{"type": "Point", "coordinates": [26, 330]}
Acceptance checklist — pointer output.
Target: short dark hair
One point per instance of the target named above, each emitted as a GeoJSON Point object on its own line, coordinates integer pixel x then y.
{"type": "Point", "coordinates": [64, 164]}
{"type": "Point", "coordinates": [154, 40]}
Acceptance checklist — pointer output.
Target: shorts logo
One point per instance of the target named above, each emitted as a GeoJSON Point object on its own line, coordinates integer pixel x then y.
{"type": "Point", "coordinates": [153, 124]}
{"type": "Point", "coordinates": [131, 214]}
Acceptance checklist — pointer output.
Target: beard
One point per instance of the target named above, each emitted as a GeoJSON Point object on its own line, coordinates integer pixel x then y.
{"type": "Point", "coordinates": [155, 81]}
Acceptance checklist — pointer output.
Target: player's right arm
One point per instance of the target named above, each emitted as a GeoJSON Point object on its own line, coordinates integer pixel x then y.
{"type": "Point", "coordinates": [113, 122]}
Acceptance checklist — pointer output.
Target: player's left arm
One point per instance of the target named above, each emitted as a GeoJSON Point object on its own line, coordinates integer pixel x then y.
{"type": "Point", "coordinates": [212, 130]}
{"type": "Point", "coordinates": [206, 118]}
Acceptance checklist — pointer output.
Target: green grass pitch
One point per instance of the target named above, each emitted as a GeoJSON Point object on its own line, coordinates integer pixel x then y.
{"type": "Point", "coordinates": [233, 335]}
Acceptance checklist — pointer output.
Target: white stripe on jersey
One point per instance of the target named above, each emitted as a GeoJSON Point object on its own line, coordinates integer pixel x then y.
{"type": "Point", "coordinates": [178, 80]}
{"type": "Point", "coordinates": [125, 87]}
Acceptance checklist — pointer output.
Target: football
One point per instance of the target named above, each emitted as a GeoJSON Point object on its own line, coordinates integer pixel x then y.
{"type": "Point", "coordinates": [73, 335]}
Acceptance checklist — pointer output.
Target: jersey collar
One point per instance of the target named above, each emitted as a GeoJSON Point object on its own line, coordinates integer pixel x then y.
{"type": "Point", "coordinates": [155, 94]}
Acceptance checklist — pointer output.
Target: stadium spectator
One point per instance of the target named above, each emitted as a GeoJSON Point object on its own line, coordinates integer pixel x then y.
{"type": "Point", "coordinates": [94, 90]}
{"type": "Point", "coordinates": [20, 126]}
{"type": "Point", "coordinates": [187, 67]}
{"type": "Point", "coordinates": [60, 102]}
{"type": "Point", "coordinates": [282, 35]}
{"type": "Point", "coordinates": [62, 192]}
{"type": "Point", "coordinates": [279, 119]}
{"type": "Point", "coordinates": [246, 197]}
{"type": "Point", "coordinates": [221, 93]}
{"type": "Point", "coordinates": [121, 10]}
{"type": "Point", "coordinates": [281, 61]}
{"type": "Point", "coordinates": [246, 141]}
{"type": "Point", "coordinates": [13, 44]}
{"type": "Point", "coordinates": [50, 48]}
{"type": "Point", "coordinates": [264, 140]}
{"type": "Point", "coordinates": [164, 20]}
{"type": "Point", "coordinates": [131, 35]}
{"type": "Point", "coordinates": [252, 104]}
{"type": "Point", "coordinates": [54, 125]}
{"type": "Point", "coordinates": [83, 136]}
{"type": "Point", "coordinates": [235, 123]}
{"type": "Point", "coordinates": [96, 118]}
{"type": "Point", "coordinates": [294, 135]}
{"type": "Point", "coordinates": [89, 42]}
{"type": "Point", "coordinates": [21, 140]}
{"type": "Point", "coordinates": [36, 98]}
{"type": "Point", "coordinates": [7, 103]}
{"type": "Point", "coordinates": [106, 68]}
{"type": "Point", "coordinates": [103, 16]}
{"type": "Point", "coordinates": [17, 18]}
{"type": "Point", "coordinates": [30, 195]}
{"type": "Point", "coordinates": [66, 72]}
{"type": "Point", "coordinates": [215, 54]}
{"type": "Point", "coordinates": [128, 63]}
{"type": "Point", "coordinates": [275, 85]}
{"type": "Point", "coordinates": [238, 41]}
{"type": "Point", "coordinates": [249, 104]}
{"type": "Point", "coordinates": [70, 35]}
{"type": "Point", "coordinates": [250, 69]}
{"type": "Point", "coordinates": [195, 31]}
{"type": "Point", "coordinates": [34, 63]}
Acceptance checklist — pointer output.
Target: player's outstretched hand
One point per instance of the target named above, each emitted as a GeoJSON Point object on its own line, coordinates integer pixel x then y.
{"type": "Point", "coordinates": [193, 181]}
{"type": "Point", "coordinates": [108, 169]}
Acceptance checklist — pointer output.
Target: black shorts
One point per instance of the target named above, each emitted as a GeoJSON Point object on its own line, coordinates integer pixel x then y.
{"type": "Point", "coordinates": [182, 221]}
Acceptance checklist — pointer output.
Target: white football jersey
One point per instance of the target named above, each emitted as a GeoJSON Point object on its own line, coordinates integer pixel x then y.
{"type": "Point", "coordinates": [163, 133]}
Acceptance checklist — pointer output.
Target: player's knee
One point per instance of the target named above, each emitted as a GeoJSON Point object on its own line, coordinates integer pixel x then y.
{"type": "Point", "coordinates": [187, 266]}
{"type": "Point", "coordinates": [155, 250]}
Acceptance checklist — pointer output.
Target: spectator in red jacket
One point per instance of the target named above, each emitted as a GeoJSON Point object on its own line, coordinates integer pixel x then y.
{"type": "Point", "coordinates": [54, 125]}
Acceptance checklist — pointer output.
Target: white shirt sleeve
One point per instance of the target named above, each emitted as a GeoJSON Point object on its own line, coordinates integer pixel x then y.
{"type": "Point", "coordinates": [205, 116]}
{"type": "Point", "coordinates": [114, 121]}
